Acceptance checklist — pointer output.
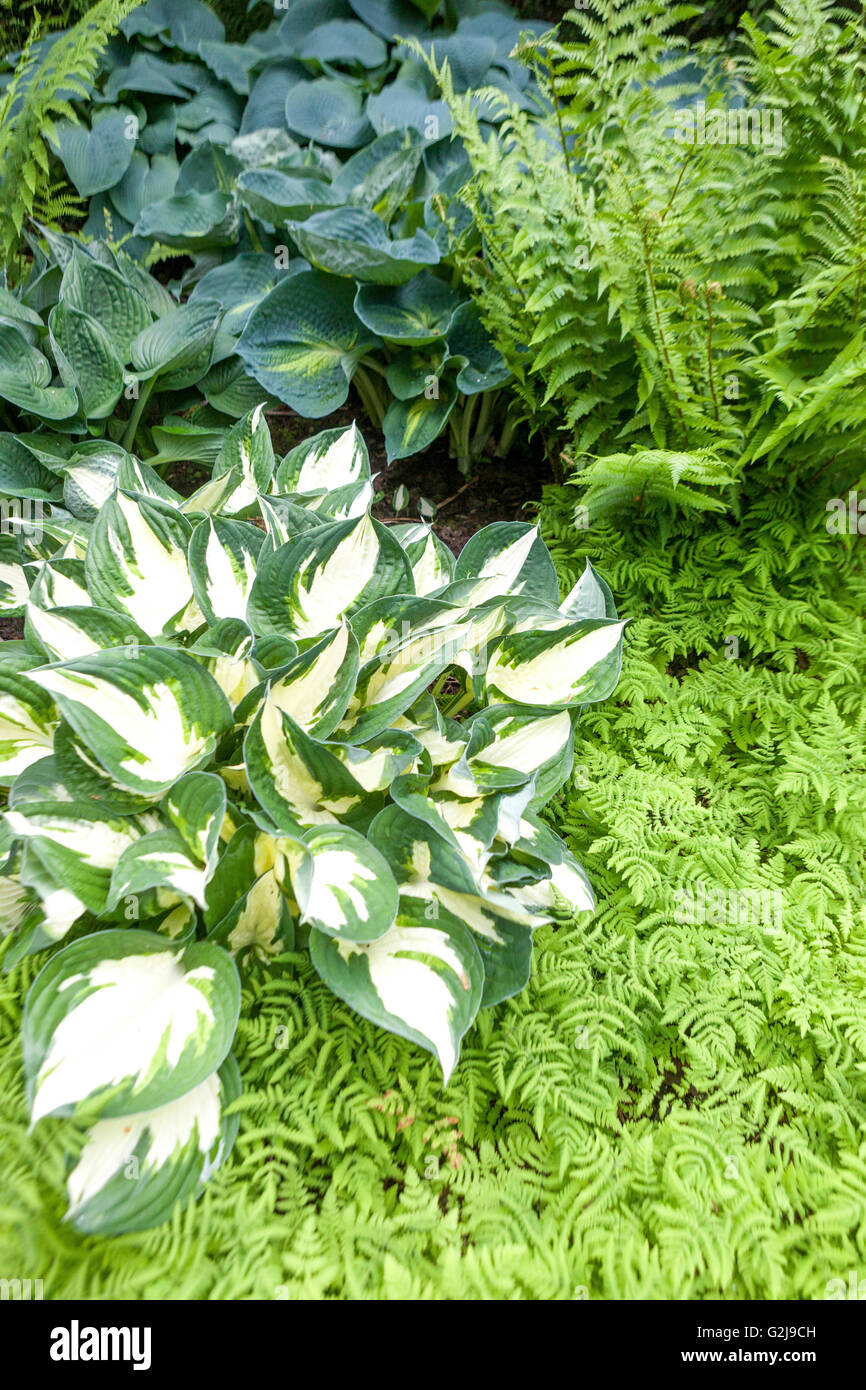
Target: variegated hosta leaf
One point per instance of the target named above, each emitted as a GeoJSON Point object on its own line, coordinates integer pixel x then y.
{"type": "Point", "coordinates": [222, 565]}
{"type": "Point", "coordinates": [590, 598]}
{"type": "Point", "coordinates": [161, 860]}
{"type": "Point", "coordinates": [196, 807]}
{"type": "Point", "coordinates": [298, 781]}
{"type": "Point", "coordinates": [507, 558]}
{"type": "Point", "coordinates": [427, 867]}
{"type": "Point", "coordinates": [79, 845]}
{"type": "Point", "coordinates": [422, 980]}
{"type": "Point", "coordinates": [557, 664]}
{"type": "Point", "coordinates": [432, 562]}
{"type": "Point", "coordinates": [242, 470]}
{"type": "Point", "coordinates": [62, 583]}
{"type": "Point", "coordinates": [136, 561]}
{"type": "Point", "coordinates": [226, 651]}
{"type": "Point", "coordinates": [147, 719]}
{"type": "Point", "coordinates": [133, 1169]}
{"type": "Point", "coordinates": [343, 885]}
{"type": "Point", "coordinates": [543, 847]}
{"type": "Point", "coordinates": [332, 461]}
{"type": "Point", "coordinates": [316, 686]}
{"type": "Point", "coordinates": [63, 634]}
{"type": "Point", "coordinates": [14, 584]}
{"type": "Point", "coordinates": [181, 859]}
{"type": "Point", "coordinates": [510, 745]}
{"type": "Point", "coordinates": [246, 909]}
{"type": "Point", "coordinates": [308, 585]}
{"type": "Point", "coordinates": [27, 722]}
{"type": "Point", "coordinates": [405, 644]}
{"type": "Point", "coordinates": [121, 1020]}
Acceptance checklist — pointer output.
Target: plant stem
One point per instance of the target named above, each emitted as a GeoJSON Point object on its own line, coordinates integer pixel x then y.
{"type": "Point", "coordinates": [370, 398]}
{"type": "Point", "coordinates": [137, 411]}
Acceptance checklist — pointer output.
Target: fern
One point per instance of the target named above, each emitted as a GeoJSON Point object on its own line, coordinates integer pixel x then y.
{"type": "Point", "coordinates": [50, 74]}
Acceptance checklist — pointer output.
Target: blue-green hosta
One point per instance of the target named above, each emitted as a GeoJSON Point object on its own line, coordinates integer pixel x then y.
{"type": "Point", "coordinates": [263, 721]}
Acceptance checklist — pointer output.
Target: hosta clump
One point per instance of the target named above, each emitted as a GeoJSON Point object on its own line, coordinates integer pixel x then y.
{"type": "Point", "coordinates": [259, 722]}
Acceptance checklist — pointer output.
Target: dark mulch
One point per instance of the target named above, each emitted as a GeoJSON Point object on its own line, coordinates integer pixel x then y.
{"type": "Point", "coordinates": [11, 629]}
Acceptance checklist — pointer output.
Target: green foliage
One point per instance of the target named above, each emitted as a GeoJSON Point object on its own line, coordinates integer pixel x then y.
{"type": "Point", "coordinates": [87, 331]}
{"type": "Point", "coordinates": [650, 288]}
{"type": "Point", "coordinates": [51, 74]}
{"type": "Point", "coordinates": [315, 143]}
{"type": "Point", "coordinates": [670, 1109]}
{"type": "Point", "coordinates": [233, 734]}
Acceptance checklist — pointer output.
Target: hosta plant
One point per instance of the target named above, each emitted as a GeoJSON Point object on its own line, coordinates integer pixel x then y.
{"type": "Point", "coordinates": [228, 737]}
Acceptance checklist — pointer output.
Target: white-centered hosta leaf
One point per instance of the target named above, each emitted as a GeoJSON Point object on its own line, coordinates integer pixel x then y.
{"type": "Point", "coordinates": [135, 1168]}
{"type": "Point", "coordinates": [298, 781]}
{"type": "Point", "coordinates": [242, 469]}
{"type": "Point", "coordinates": [507, 558]}
{"type": "Point", "coordinates": [222, 564]}
{"type": "Point", "coordinates": [27, 722]}
{"type": "Point", "coordinates": [590, 598]}
{"type": "Point", "coordinates": [316, 687]}
{"type": "Point", "coordinates": [137, 561]}
{"type": "Point", "coordinates": [63, 634]}
{"type": "Point", "coordinates": [432, 562]}
{"type": "Point", "coordinates": [327, 461]}
{"type": "Point", "coordinates": [78, 844]}
{"type": "Point", "coordinates": [160, 860]}
{"type": "Point", "coordinates": [305, 587]}
{"type": "Point", "coordinates": [422, 980]}
{"type": "Point", "coordinates": [122, 1020]}
{"type": "Point", "coordinates": [343, 885]}
{"type": "Point", "coordinates": [560, 663]}
{"type": "Point", "coordinates": [147, 718]}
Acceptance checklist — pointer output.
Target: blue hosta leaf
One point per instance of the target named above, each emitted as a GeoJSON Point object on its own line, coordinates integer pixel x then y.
{"type": "Point", "coordinates": [93, 357]}
{"type": "Point", "coordinates": [146, 719]}
{"type": "Point", "coordinates": [238, 286]}
{"type": "Point", "coordinates": [303, 342]}
{"type": "Point", "coordinates": [97, 159]}
{"type": "Point", "coordinates": [485, 368]}
{"type": "Point", "coordinates": [355, 242]}
{"type": "Point", "coordinates": [390, 18]}
{"type": "Point", "coordinates": [422, 980]}
{"type": "Point", "coordinates": [179, 347]}
{"type": "Point", "coordinates": [405, 105]}
{"type": "Point", "coordinates": [418, 312]}
{"type": "Point", "coordinates": [343, 41]}
{"type": "Point", "coordinates": [328, 111]}
{"type": "Point", "coordinates": [108, 296]}
{"type": "Point", "coordinates": [183, 24]}
{"type": "Point", "coordinates": [121, 1020]}
{"type": "Point", "coordinates": [190, 220]}
{"type": "Point", "coordinates": [146, 181]}
{"type": "Point", "coordinates": [380, 176]}
{"type": "Point", "coordinates": [134, 1169]}
{"type": "Point", "coordinates": [412, 425]}
{"type": "Point", "coordinates": [266, 108]}
{"type": "Point", "coordinates": [275, 198]}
